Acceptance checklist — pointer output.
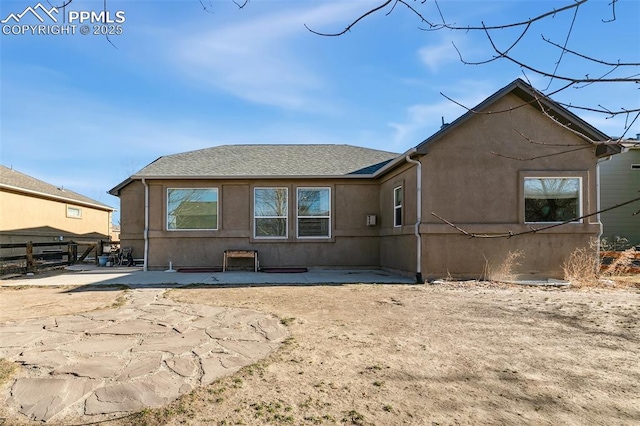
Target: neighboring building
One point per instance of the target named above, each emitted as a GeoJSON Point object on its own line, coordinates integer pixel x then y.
{"type": "Point", "coordinates": [620, 182]}
{"type": "Point", "coordinates": [115, 232]}
{"type": "Point", "coordinates": [33, 210]}
{"type": "Point", "coordinates": [340, 206]}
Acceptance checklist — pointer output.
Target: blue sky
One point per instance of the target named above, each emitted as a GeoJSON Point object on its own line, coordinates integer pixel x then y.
{"type": "Point", "coordinates": [77, 112]}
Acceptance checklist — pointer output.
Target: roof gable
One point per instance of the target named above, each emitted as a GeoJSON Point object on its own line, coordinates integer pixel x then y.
{"type": "Point", "coordinates": [14, 180]}
{"type": "Point", "coordinates": [532, 97]}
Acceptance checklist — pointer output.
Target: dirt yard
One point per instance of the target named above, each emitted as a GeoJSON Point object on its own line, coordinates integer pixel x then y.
{"type": "Point", "coordinates": [409, 354]}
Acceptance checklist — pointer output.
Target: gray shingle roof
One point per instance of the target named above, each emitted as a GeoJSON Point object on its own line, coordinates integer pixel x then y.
{"type": "Point", "coordinates": [268, 160]}
{"type": "Point", "coordinates": [14, 179]}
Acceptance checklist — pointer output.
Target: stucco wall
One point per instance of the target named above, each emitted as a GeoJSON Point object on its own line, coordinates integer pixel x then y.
{"type": "Point", "coordinates": [619, 183]}
{"type": "Point", "coordinates": [398, 246]}
{"type": "Point", "coordinates": [24, 218]}
{"type": "Point", "coordinates": [352, 243]}
{"type": "Point", "coordinates": [466, 183]}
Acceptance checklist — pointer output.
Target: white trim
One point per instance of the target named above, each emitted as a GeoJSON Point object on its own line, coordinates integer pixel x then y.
{"type": "Point", "coordinates": [306, 188]}
{"type": "Point", "coordinates": [217, 191]}
{"type": "Point", "coordinates": [285, 217]}
{"type": "Point", "coordinates": [396, 207]}
{"type": "Point", "coordinates": [580, 197]}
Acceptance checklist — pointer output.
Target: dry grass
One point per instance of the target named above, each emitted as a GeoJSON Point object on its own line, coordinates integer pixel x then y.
{"type": "Point", "coordinates": [585, 267]}
{"type": "Point", "coordinates": [7, 369]}
{"type": "Point", "coordinates": [507, 270]}
{"type": "Point", "coordinates": [581, 269]}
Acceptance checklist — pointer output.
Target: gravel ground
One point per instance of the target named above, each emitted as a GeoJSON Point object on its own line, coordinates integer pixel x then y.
{"type": "Point", "coordinates": [455, 353]}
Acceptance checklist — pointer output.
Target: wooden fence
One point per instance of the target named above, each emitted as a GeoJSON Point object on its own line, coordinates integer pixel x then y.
{"type": "Point", "coordinates": [50, 254]}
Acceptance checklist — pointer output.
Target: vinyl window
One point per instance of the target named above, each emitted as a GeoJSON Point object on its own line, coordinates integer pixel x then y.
{"type": "Point", "coordinates": [192, 209]}
{"type": "Point", "coordinates": [552, 199]}
{"type": "Point", "coordinates": [398, 201]}
{"type": "Point", "coordinates": [314, 212]}
{"type": "Point", "coordinates": [270, 211]}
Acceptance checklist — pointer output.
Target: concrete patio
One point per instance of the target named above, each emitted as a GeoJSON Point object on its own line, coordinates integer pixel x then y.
{"type": "Point", "coordinates": [134, 277]}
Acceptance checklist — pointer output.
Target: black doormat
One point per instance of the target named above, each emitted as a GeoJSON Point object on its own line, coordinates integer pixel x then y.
{"type": "Point", "coordinates": [284, 270]}
{"type": "Point", "coordinates": [196, 270]}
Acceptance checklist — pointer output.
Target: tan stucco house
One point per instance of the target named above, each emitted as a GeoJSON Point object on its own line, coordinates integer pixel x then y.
{"type": "Point", "coordinates": [340, 206]}
{"type": "Point", "coordinates": [36, 211]}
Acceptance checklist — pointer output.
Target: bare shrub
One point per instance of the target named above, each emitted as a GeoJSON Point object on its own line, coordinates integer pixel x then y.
{"type": "Point", "coordinates": [506, 272]}
{"type": "Point", "coordinates": [621, 264]}
{"type": "Point", "coordinates": [7, 369]}
{"type": "Point", "coordinates": [581, 269]}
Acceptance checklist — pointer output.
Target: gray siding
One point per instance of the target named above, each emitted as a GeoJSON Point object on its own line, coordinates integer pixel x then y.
{"type": "Point", "coordinates": [619, 183]}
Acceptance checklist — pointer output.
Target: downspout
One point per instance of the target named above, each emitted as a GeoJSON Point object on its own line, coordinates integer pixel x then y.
{"type": "Point", "coordinates": [600, 229]}
{"type": "Point", "coordinates": [146, 225]}
{"type": "Point", "coordinates": [419, 279]}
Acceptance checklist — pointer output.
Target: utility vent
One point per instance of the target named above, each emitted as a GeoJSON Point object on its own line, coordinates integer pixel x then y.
{"type": "Point", "coordinates": [371, 220]}
{"type": "Point", "coordinates": [635, 167]}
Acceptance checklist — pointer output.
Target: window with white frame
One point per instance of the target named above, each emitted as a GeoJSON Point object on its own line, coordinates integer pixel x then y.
{"type": "Point", "coordinates": [314, 212]}
{"type": "Point", "coordinates": [74, 212]}
{"type": "Point", "coordinates": [552, 199]}
{"type": "Point", "coordinates": [192, 209]}
{"type": "Point", "coordinates": [397, 206]}
{"type": "Point", "coordinates": [270, 212]}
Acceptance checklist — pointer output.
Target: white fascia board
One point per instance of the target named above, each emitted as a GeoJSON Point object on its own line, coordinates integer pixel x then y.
{"type": "Point", "coordinates": [57, 197]}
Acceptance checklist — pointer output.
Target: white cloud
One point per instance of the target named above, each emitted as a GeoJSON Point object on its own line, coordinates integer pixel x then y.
{"type": "Point", "coordinates": [436, 56]}
{"type": "Point", "coordinates": [423, 120]}
{"type": "Point", "coordinates": [256, 59]}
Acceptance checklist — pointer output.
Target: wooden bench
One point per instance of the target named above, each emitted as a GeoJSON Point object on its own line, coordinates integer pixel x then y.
{"type": "Point", "coordinates": [231, 254]}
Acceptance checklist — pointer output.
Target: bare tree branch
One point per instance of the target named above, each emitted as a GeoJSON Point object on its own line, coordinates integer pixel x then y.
{"type": "Point", "coordinates": [241, 5]}
{"type": "Point", "coordinates": [537, 157]}
{"type": "Point", "coordinates": [205, 7]}
{"type": "Point", "coordinates": [534, 230]}
{"type": "Point", "coordinates": [106, 35]}
{"type": "Point", "coordinates": [514, 44]}
{"type": "Point", "coordinates": [563, 50]}
{"type": "Point", "coordinates": [353, 23]}
{"type": "Point", "coordinates": [574, 5]}
{"type": "Point", "coordinates": [613, 12]}
{"type": "Point", "coordinates": [635, 78]}
{"type": "Point", "coordinates": [589, 58]}
{"type": "Point", "coordinates": [523, 104]}
{"type": "Point", "coordinates": [63, 5]}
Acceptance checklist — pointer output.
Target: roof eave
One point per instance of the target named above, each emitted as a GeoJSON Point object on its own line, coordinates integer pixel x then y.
{"type": "Point", "coordinates": [56, 197]}
{"type": "Point", "coordinates": [251, 177]}
{"type": "Point", "coordinates": [116, 190]}
{"type": "Point", "coordinates": [396, 162]}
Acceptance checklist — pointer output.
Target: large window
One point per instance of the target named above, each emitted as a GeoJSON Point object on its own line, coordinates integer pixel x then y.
{"type": "Point", "coordinates": [270, 211]}
{"type": "Point", "coordinates": [314, 213]}
{"type": "Point", "coordinates": [192, 208]}
{"type": "Point", "coordinates": [397, 206]}
{"type": "Point", "coordinates": [551, 199]}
